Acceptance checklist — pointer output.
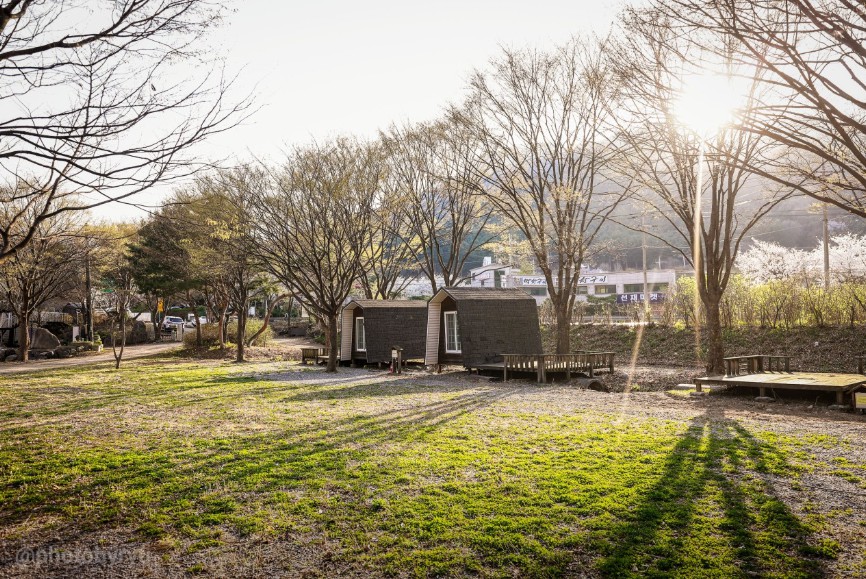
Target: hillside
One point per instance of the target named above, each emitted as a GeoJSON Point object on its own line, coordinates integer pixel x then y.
{"type": "Point", "coordinates": [812, 349]}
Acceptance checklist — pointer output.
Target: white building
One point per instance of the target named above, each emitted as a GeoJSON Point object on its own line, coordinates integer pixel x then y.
{"type": "Point", "coordinates": [627, 286]}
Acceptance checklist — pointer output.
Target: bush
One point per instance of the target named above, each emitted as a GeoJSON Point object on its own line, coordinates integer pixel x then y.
{"type": "Point", "coordinates": [210, 334]}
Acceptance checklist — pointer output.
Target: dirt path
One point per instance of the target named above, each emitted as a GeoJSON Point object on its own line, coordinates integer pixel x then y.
{"type": "Point", "coordinates": [291, 345]}
{"type": "Point", "coordinates": [129, 353]}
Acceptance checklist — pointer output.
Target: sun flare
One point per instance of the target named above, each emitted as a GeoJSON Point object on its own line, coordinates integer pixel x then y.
{"type": "Point", "coordinates": [706, 103]}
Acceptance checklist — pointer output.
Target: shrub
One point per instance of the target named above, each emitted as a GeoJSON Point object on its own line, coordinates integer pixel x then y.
{"type": "Point", "coordinates": [209, 336]}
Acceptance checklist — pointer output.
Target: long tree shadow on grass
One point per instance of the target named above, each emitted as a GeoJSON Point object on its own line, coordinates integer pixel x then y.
{"type": "Point", "coordinates": [712, 507]}
{"type": "Point", "coordinates": [53, 485]}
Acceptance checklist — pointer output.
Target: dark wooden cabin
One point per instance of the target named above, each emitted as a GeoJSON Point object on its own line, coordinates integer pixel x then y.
{"type": "Point", "coordinates": [474, 326]}
{"type": "Point", "coordinates": [371, 328]}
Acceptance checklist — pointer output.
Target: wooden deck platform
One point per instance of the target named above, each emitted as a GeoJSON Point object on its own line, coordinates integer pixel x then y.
{"type": "Point", "coordinates": [841, 384]}
{"type": "Point", "coordinates": [543, 365]}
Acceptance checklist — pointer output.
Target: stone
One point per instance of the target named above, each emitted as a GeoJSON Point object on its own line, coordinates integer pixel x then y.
{"type": "Point", "coordinates": [12, 358]}
{"type": "Point", "coordinates": [764, 399]}
{"type": "Point", "coordinates": [44, 340]}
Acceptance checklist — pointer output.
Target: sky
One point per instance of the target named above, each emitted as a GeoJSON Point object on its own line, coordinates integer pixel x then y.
{"type": "Point", "coordinates": [323, 68]}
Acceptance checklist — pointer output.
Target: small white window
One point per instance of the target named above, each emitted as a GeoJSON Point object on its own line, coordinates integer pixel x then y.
{"type": "Point", "coordinates": [452, 333]}
{"type": "Point", "coordinates": [360, 338]}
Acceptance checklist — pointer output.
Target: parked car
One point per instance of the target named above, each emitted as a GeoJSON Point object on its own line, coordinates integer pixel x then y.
{"type": "Point", "coordinates": [192, 322]}
{"type": "Point", "coordinates": [172, 322]}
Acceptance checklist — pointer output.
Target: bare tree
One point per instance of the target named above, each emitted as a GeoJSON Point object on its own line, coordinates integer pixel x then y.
{"type": "Point", "coordinates": [116, 281]}
{"type": "Point", "coordinates": [543, 124]}
{"type": "Point", "coordinates": [311, 223]}
{"type": "Point", "coordinates": [41, 271]}
{"type": "Point", "coordinates": [93, 110]}
{"type": "Point", "coordinates": [430, 174]}
{"type": "Point", "coordinates": [666, 158]}
{"type": "Point", "coordinates": [814, 108]}
{"type": "Point", "coordinates": [388, 262]}
{"type": "Point", "coordinates": [224, 245]}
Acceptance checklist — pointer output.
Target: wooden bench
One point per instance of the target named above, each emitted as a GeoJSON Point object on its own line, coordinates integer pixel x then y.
{"type": "Point", "coordinates": [756, 363]}
{"type": "Point", "coordinates": [582, 361]}
{"type": "Point", "coordinates": [312, 354]}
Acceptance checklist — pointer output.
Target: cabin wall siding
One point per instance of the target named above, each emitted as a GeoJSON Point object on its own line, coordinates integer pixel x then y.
{"type": "Point", "coordinates": [387, 323]}
{"type": "Point", "coordinates": [489, 329]}
{"type": "Point", "coordinates": [347, 330]}
{"type": "Point", "coordinates": [493, 322]}
{"type": "Point", "coordinates": [431, 357]}
{"type": "Point", "coordinates": [388, 327]}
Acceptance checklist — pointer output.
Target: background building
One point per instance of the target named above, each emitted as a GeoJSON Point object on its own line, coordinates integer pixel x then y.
{"type": "Point", "coordinates": [627, 286]}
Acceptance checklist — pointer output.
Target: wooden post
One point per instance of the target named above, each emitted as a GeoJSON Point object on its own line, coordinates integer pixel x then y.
{"type": "Point", "coordinates": [397, 360]}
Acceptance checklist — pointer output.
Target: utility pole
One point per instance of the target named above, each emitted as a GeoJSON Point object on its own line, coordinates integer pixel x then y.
{"type": "Point", "coordinates": [646, 304]}
{"type": "Point", "coordinates": [88, 300]}
{"type": "Point", "coordinates": [826, 251]}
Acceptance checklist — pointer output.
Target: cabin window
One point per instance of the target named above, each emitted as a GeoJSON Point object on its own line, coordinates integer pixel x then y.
{"type": "Point", "coordinates": [360, 337]}
{"type": "Point", "coordinates": [452, 333]}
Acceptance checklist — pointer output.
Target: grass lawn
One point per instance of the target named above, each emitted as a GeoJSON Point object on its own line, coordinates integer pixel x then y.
{"type": "Point", "coordinates": [273, 468]}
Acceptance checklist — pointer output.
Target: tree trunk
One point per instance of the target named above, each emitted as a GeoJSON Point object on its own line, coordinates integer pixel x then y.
{"type": "Point", "coordinates": [24, 326]}
{"type": "Point", "coordinates": [198, 340]}
{"type": "Point", "coordinates": [118, 356]}
{"type": "Point", "coordinates": [194, 311]}
{"type": "Point", "coordinates": [332, 341]}
{"type": "Point", "coordinates": [242, 326]}
{"type": "Point", "coordinates": [154, 321]}
{"type": "Point", "coordinates": [24, 337]}
{"type": "Point", "coordinates": [716, 351]}
{"type": "Point", "coordinates": [563, 327]}
{"type": "Point", "coordinates": [88, 300]}
{"type": "Point", "coordinates": [221, 333]}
